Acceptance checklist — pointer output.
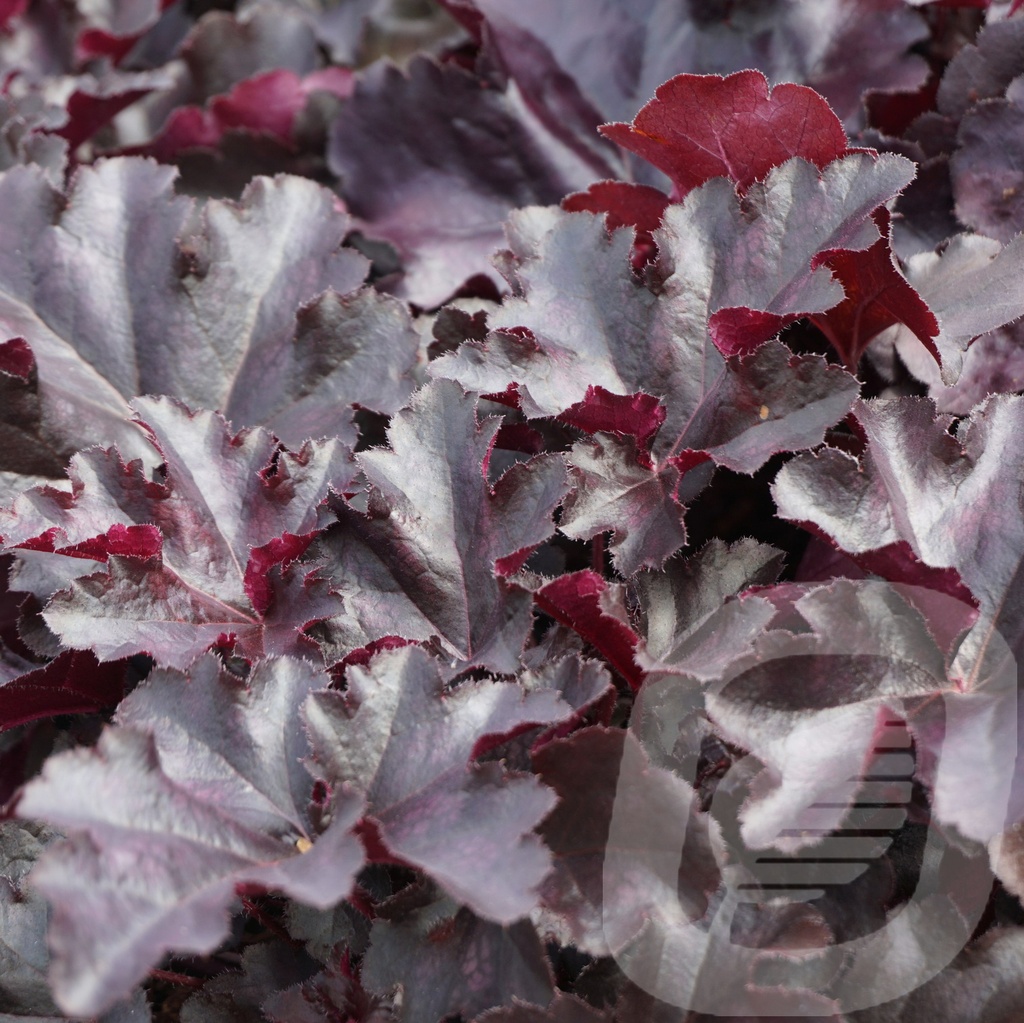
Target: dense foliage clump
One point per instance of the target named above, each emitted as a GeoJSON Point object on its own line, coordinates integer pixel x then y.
{"type": "Point", "coordinates": [511, 511]}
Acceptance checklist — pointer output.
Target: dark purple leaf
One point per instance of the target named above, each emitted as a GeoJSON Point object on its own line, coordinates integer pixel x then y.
{"type": "Point", "coordinates": [683, 622]}
{"type": "Point", "coordinates": [269, 103]}
{"type": "Point", "coordinates": [617, 491]}
{"type": "Point", "coordinates": [810, 707]}
{"type": "Point", "coordinates": [897, 563]}
{"type": "Point", "coordinates": [994, 364]}
{"type": "Point", "coordinates": [111, 29]}
{"type": "Point", "coordinates": [877, 296]}
{"type": "Point", "coordinates": [99, 318]}
{"type": "Point", "coordinates": [11, 9]}
{"type": "Point", "coordinates": [766, 402]}
{"type": "Point", "coordinates": [592, 607]}
{"type": "Point", "coordinates": [973, 286]}
{"type": "Point", "coordinates": [981, 985]}
{"type": "Point", "coordinates": [986, 169]}
{"type": "Point", "coordinates": [183, 577]}
{"type": "Point", "coordinates": [433, 161]}
{"type": "Point", "coordinates": [925, 218]}
{"type": "Point", "coordinates": [602, 61]}
{"type": "Point", "coordinates": [583, 311]}
{"type": "Point", "coordinates": [43, 120]}
{"type": "Point", "coordinates": [864, 505]}
{"type": "Point", "coordinates": [984, 69]}
{"type": "Point", "coordinates": [12, 665]}
{"type": "Point", "coordinates": [343, 28]}
{"type": "Point", "coordinates": [45, 39]}
{"type": "Point", "coordinates": [449, 961]}
{"type": "Point", "coordinates": [16, 656]}
{"type": "Point", "coordinates": [954, 498]}
{"type": "Point", "coordinates": [625, 203]}
{"type": "Point", "coordinates": [245, 99]}
{"type": "Point", "coordinates": [325, 932]}
{"type": "Point", "coordinates": [546, 733]}
{"type": "Point", "coordinates": [584, 684]}
{"type": "Point", "coordinates": [16, 358]}
{"type": "Point", "coordinates": [675, 601]}
{"type": "Point", "coordinates": [233, 996]}
{"type": "Point", "coordinates": [93, 101]}
{"type": "Point", "coordinates": [226, 48]}
{"type": "Point", "coordinates": [334, 993]}
{"type": "Point", "coordinates": [144, 607]}
{"type": "Point", "coordinates": [636, 415]}
{"type": "Point", "coordinates": [637, 1004]}
{"type": "Point", "coordinates": [564, 1009]}
{"type": "Point", "coordinates": [601, 891]}
{"type": "Point", "coordinates": [618, 488]}
{"type": "Point", "coordinates": [197, 789]}
{"type": "Point", "coordinates": [39, 43]}
{"type": "Point", "coordinates": [236, 996]}
{"type": "Point", "coordinates": [26, 453]}
{"type": "Point", "coordinates": [422, 561]}
{"type": "Point", "coordinates": [622, 202]}
{"type": "Point", "coordinates": [404, 742]}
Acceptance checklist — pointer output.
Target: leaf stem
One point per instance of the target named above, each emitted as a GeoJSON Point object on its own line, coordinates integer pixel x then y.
{"type": "Point", "coordinates": [171, 977]}
{"type": "Point", "coordinates": [261, 916]}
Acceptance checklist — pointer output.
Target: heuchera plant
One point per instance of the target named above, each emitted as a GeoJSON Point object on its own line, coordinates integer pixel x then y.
{"type": "Point", "coordinates": [413, 416]}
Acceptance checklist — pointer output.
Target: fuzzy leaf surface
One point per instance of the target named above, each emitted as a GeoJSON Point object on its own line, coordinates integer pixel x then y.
{"type": "Point", "coordinates": [867, 650]}
{"type": "Point", "coordinates": [985, 169]}
{"type": "Point", "coordinates": [877, 296]}
{"type": "Point", "coordinates": [982, 984]}
{"type": "Point", "coordinates": [593, 608]}
{"type": "Point", "coordinates": [564, 1009]}
{"type": "Point", "coordinates": [72, 683]}
{"type": "Point", "coordinates": [598, 897]}
{"type": "Point", "coordinates": [603, 60]}
{"type": "Point", "coordinates": [683, 623]}
{"type": "Point", "coordinates": [267, 967]}
{"type": "Point", "coordinates": [269, 104]}
{"type": "Point", "coordinates": [972, 287]}
{"type": "Point", "coordinates": [615, 492]}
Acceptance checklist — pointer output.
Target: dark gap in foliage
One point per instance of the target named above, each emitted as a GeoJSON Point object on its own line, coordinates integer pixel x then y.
{"type": "Point", "coordinates": [735, 505]}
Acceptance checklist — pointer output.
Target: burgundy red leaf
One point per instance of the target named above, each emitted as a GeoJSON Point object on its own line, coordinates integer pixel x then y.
{"type": "Point", "coordinates": [699, 127]}
{"type": "Point", "coordinates": [589, 605]}
{"type": "Point", "coordinates": [74, 683]}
